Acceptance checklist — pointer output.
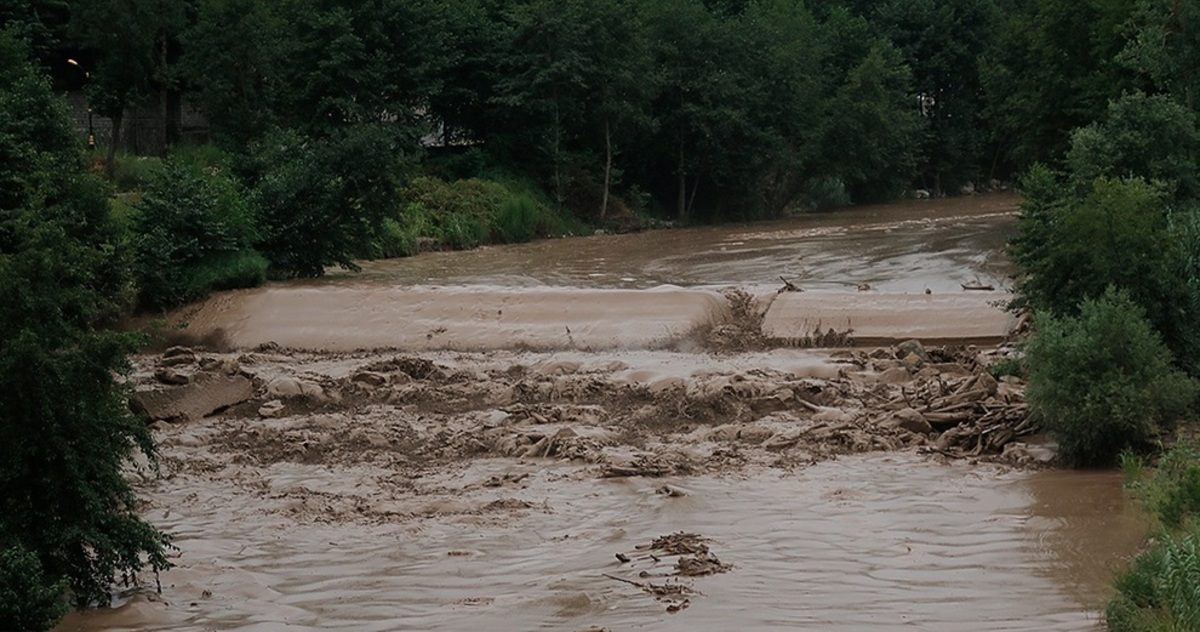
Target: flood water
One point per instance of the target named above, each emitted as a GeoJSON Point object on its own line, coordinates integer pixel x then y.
{"type": "Point", "coordinates": [883, 541]}
{"type": "Point", "coordinates": [904, 247]}
{"type": "Point", "coordinates": [860, 543]}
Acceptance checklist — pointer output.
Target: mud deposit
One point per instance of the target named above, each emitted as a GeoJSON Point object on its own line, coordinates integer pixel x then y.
{"type": "Point", "coordinates": [559, 436]}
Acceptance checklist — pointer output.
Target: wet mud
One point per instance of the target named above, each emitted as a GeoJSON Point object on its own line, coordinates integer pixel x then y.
{"type": "Point", "coordinates": [600, 434]}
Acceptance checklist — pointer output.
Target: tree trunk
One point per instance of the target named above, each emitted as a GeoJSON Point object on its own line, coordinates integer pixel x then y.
{"type": "Point", "coordinates": [608, 158]}
{"type": "Point", "coordinates": [682, 211]}
{"type": "Point", "coordinates": [162, 99]}
{"type": "Point", "coordinates": [559, 195]}
{"type": "Point", "coordinates": [110, 163]}
{"type": "Point", "coordinates": [692, 198]}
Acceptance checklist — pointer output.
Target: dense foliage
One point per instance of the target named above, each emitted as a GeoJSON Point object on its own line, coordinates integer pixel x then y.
{"type": "Point", "coordinates": [68, 517]}
{"type": "Point", "coordinates": [1103, 381]}
{"type": "Point", "coordinates": [1161, 589]}
{"type": "Point", "coordinates": [193, 234]}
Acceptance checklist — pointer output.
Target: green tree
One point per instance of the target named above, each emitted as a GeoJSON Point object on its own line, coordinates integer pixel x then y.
{"type": "Point", "coordinates": [872, 133]}
{"type": "Point", "coordinates": [1118, 235]}
{"type": "Point", "coordinates": [574, 74]}
{"type": "Point", "coordinates": [1103, 381]}
{"type": "Point", "coordinates": [127, 43]}
{"type": "Point", "coordinates": [1053, 68]}
{"type": "Point", "coordinates": [942, 42]}
{"type": "Point", "coordinates": [323, 198]}
{"type": "Point", "coordinates": [1149, 137]}
{"type": "Point", "coordinates": [67, 513]}
{"type": "Point", "coordinates": [1165, 46]}
{"type": "Point", "coordinates": [231, 66]}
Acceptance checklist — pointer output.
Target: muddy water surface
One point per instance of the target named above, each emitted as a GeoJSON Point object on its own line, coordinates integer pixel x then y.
{"type": "Point", "coordinates": [903, 247]}
{"type": "Point", "coordinates": [270, 539]}
{"type": "Point", "coordinates": [859, 543]}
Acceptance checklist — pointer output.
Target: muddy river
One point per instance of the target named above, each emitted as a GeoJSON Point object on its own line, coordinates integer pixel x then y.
{"type": "Point", "coordinates": [474, 489]}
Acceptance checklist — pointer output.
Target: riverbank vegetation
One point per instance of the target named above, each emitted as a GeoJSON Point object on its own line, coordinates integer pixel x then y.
{"type": "Point", "coordinates": [339, 130]}
{"type": "Point", "coordinates": [332, 119]}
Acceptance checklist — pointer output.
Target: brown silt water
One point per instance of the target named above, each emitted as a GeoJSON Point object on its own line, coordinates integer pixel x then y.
{"type": "Point", "coordinates": [480, 493]}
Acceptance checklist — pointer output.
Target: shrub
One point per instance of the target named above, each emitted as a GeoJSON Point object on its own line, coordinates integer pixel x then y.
{"type": "Point", "coordinates": [323, 199]}
{"type": "Point", "coordinates": [202, 156]}
{"type": "Point", "coordinates": [1173, 495]}
{"type": "Point", "coordinates": [192, 234]}
{"type": "Point", "coordinates": [134, 173]}
{"type": "Point", "coordinates": [29, 600]}
{"type": "Point", "coordinates": [457, 215]}
{"type": "Point", "coordinates": [1102, 381]}
{"type": "Point", "coordinates": [520, 219]}
{"type": "Point", "coordinates": [823, 194]}
{"type": "Point", "coordinates": [1161, 589]}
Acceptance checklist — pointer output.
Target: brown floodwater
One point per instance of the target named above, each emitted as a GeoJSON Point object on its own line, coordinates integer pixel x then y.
{"type": "Point", "coordinates": [867, 542]}
{"type": "Point", "coordinates": [902, 247]}
{"type": "Point", "coordinates": [652, 289]}
{"type": "Point", "coordinates": [883, 541]}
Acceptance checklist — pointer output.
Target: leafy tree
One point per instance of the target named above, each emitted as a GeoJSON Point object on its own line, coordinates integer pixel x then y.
{"type": "Point", "coordinates": [942, 41]}
{"type": "Point", "coordinates": [698, 98]}
{"type": "Point", "coordinates": [772, 147]}
{"type": "Point", "coordinates": [28, 599]}
{"type": "Point", "coordinates": [1165, 46]}
{"type": "Point", "coordinates": [67, 514]}
{"type": "Point", "coordinates": [1150, 137]}
{"type": "Point", "coordinates": [126, 42]}
{"type": "Point", "coordinates": [231, 64]}
{"type": "Point", "coordinates": [43, 23]}
{"type": "Point", "coordinates": [464, 98]}
{"type": "Point", "coordinates": [1103, 381]}
{"type": "Point", "coordinates": [871, 134]}
{"type": "Point", "coordinates": [321, 199]}
{"type": "Point", "coordinates": [1053, 69]}
{"type": "Point", "coordinates": [1117, 236]}
{"type": "Point", "coordinates": [577, 73]}
{"type": "Point", "coordinates": [192, 234]}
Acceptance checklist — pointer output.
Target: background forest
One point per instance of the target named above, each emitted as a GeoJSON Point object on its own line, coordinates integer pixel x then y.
{"type": "Point", "coordinates": [384, 127]}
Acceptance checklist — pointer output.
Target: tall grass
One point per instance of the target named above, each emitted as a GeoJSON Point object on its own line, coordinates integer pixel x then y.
{"type": "Point", "coordinates": [1160, 592]}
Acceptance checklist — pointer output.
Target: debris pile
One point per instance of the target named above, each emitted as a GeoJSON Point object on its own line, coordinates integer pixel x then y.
{"type": "Point", "coordinates": [270, 406]}
{"type": "Point", "coordinates": [692, 558]}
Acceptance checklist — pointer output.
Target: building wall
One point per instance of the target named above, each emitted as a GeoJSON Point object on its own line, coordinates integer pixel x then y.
{"type": "Point", "coordinates": [141, 131]}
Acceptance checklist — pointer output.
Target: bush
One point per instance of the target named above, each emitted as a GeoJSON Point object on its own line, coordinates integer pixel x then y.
{"type": "Point", "coordinates": [456, 215]}
{"type": "Point", "coordinates": [192, 233]}
{"type": "Point", "coordinates": [134, 173]}
{"type": "Point", "coordinates": [29, 600]}
{"type": "Point", "coordinates": [823, 194]}
{"type": "Point", "coordinates": [520, 219]}
{"type": "Point", "coordinates": [1173, 494]}
{"type": "Point", "coordinates": [203, 156]}
{"type": "Point", "coordinates": [323, 199]}
{"type": "Point", "coordinates": [1102, 381]}
{"type": "Point", "coordinates": [1161, 589]}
